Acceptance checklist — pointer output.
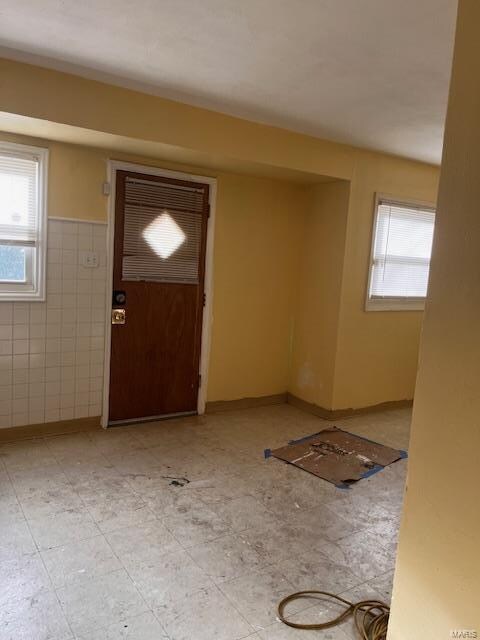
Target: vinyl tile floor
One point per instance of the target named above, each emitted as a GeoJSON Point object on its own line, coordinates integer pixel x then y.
{"type": "Point", "coordinates": [103, 538]}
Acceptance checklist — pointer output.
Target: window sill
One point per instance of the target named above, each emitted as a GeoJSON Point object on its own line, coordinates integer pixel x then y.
{"type": "Point", "coordinates": [22, 296]}
{"type": "Point", "coordinates": [394, 304]}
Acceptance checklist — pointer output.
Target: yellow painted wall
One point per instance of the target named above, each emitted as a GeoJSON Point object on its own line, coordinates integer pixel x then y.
{"type": "Point", "coordinates": [376, 356]}
{"type": "Point", "coordinates": [256, 260]}
{"type": "Point", "coordinates": [377, 351]}
{"type": "Point", "coordinates": [437, 579]}
{"type": "Point", "coordinates": [317, 306]}
{"type": "Point", "coordinates": [76, 175]}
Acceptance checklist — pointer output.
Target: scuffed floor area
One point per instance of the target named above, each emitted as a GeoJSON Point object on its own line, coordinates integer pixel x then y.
{"type": "Point", "coordinates": [98, 544]}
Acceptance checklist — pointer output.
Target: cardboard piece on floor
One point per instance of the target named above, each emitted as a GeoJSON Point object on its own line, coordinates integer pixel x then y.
{"type": "Point", "coordinates": [338, 456]}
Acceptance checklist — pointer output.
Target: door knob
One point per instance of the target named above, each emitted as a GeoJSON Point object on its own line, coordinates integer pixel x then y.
{"type": "Point", "coordinates": [118, 316]}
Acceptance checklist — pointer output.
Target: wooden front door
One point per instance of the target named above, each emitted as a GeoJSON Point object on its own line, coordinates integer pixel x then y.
{"type": "Point", "coordinates": [158, 296]}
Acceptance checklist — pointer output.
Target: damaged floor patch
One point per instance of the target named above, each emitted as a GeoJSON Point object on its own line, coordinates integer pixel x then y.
{"type": "Point", "coordinates": [338, 456]}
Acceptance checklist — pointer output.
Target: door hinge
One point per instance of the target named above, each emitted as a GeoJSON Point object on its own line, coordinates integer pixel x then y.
{"type": "Point", "coordinates": [106, 188]}
{"type": "Point", "coordinates": [204, 299]}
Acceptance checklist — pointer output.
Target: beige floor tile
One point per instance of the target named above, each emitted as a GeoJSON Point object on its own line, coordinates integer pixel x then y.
{"type": "Point", "coordinates": [312, 571]}
{"type": "Point", "coordinates": [324, 521]}
{"type": "Point", "coordinates": [172, 501]}
{"type": "Point", "coordinates": [28, 482]}
{"type": "Point", "coordinates": [169, 578]}
{"type": "Point", "coordinates": [119, 513]}
{"type": "Point", "coordinates": [206, 615]}
{"type": "Point", "coordinates": [10, 510]}
{"type": "Point", "coordinates": [183, 462]}
{"type": "Point", "coordinates": [15, 540]}
{"type": "Point", "coordinates": [383, 585]}
{"type": "Point", "coordinates": [116, 441]}
{"type": "Point", "coordinates": [364, 591]}
{"type": "Point", "coordinates": [96, 490]}
{"type": "Point", "coordinates": [275, 543]}
{"type": "Point", "coordinates": [280, 631]}
{"type": "Point", "coordinates": [365, 557]}
{"type": "Point", "coordinates": [26, 454]}
{"type": "Point", "coordinates": [100, 602]}
{"type": "Point", "coordinates": [227, 557]}
{"type": "Point", "coordinates": [39, 618]}
{"type": "Point", "coordinates": [41, 504]}
{"type": "Point", "coordinates": [80, 561]}
{"type": "Point", "coordinates": [23, 577]}
{"type": "Point", "coordinates": [92, 469]}
{"type": "Point", "coordinates": [142, 544]}
{"type": "Point", "coordinates": [195, 525]}
{"type": "Point", "coordinates": [243, 513]}
{"type": "Point", "coordinates": [286, 497]}
{"type": "Point", "coordinates": [70, 448]}
{"type": "Point", "coordinates": [6, 487]}
{"type": "Point", "coordinates": [148, 483]}
{"type": "Point", "coordinates": [387, 531]}
{"type": "Point", "coordinates": [134, 462]}
{"type": "Point", "coordinates": [360, 510]}
{"type": "Point", "coordinates": [220, 486]}
{"type": "Point", "coordinates": [142, 627]}
{"type": "Point", "coordinates": [66, 526]}
{"type": "Point", "coordinates": [154, 434]}
{"type": "Point", "coordinates": [384, 538]}
{"type": "Point", "coordinates": [257, 595]}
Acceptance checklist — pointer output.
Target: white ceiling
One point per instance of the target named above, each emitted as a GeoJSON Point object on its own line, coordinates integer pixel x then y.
{"type": "Point", "coordinates": [372, 73]}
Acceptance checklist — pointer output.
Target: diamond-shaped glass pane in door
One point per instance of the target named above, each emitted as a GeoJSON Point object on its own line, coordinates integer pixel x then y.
{"type": "Point", "coordinates": [164, 235]}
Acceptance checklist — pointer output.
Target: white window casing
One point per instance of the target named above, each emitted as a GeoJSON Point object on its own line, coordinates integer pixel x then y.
{"type": "Point", "coordinates": [23, 221]}
{"type": "Point", "coordinates": [400, 254]}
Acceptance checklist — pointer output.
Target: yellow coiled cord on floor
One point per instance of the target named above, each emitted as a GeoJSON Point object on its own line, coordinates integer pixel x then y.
{"type": "Point", "coordinates": [370, 616]}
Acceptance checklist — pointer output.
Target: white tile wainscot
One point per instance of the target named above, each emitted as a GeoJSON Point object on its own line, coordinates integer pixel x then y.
{"type": "Point", "coordinates": [51, 353]}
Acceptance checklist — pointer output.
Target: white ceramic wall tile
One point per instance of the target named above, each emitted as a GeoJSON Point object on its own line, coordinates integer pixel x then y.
{"type": "Point", "coordinates": [51, 353]}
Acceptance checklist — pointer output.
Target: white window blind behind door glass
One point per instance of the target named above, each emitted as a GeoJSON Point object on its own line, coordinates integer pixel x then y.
{"type": "Point", "coordinates": [401, 251]}
{"type": "Point", "coordinates": [162, 232]}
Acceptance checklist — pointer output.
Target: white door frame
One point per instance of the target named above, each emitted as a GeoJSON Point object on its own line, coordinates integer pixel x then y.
{"type": "Point", "coordinates": [113, 167]}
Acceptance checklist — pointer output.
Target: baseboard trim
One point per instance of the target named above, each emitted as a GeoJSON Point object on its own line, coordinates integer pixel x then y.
{"type": "Point", "coordinates": [281, 398]}
{"type": "Point", "coordinates": [30, 431]}
{"type": "Point", "coordinates": [337, 414]}
{"type": "Point", "coordinates": [245, 403]}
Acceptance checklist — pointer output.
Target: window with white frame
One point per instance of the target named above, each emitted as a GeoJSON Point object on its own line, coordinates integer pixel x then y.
{"type": "Point", "coordinates": [400, 257]}
{"type": "Point", "coordinates": [23, 180]}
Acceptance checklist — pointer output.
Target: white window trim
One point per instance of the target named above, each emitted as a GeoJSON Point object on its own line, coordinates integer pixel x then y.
{"type": "Point", "coordinates": [21, 292]}
{"type": "Point", "coordinates": [396, 303]}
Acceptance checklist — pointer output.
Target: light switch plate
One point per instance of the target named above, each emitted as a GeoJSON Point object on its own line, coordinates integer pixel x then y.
{"type": "Point", "coordinates": [89, 259]}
